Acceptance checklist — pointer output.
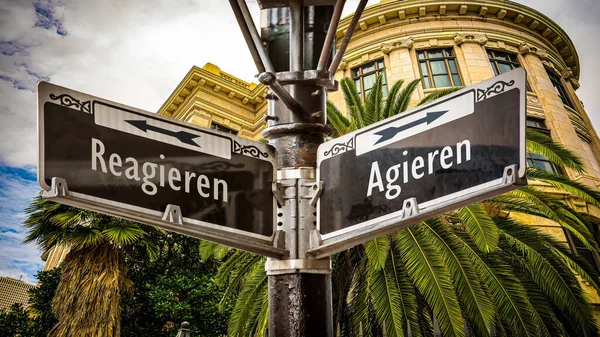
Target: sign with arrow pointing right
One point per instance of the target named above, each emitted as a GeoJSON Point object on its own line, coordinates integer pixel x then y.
{"type": "Point", "coordinates": [459, 149]}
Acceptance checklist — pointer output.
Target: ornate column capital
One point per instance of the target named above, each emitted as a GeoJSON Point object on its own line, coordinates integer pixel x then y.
{"type": "Point", "coordinates": [525, 48]}
{"type": "Point", "coordinates": [566, 73]}
{"type": "Point", "coordinates": [461, 38]}
{"type": "Point", "coordinates": [387, 47]}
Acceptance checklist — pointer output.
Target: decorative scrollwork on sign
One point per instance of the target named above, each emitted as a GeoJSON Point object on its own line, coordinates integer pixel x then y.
{"type": "Point", "coordinates": [495, 88]}
{"type": "Point", "coordinates": [340, 148]}
{"type": "Point", "coordinates": [219, 166]}
{"type": "Point", "coordinates": [69, 101]}
{"type": "Point", "coordinates": [248, 150]}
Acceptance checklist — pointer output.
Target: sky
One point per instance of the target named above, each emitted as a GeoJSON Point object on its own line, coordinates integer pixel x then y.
{"type": "Point", "coordinates": [136, 52]}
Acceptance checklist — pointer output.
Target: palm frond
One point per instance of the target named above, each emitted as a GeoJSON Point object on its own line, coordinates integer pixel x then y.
{"type": "Point", "coordinates": [577, 268]}
{"type": "Point", "coordinates": [245, 303]}
{"type": "Point", "coordinates": [507, 292]}
{"type": "Point", "coordinates": [438, 94]}
{"type": "Point", "coordinates": [478, 308]}
{"type": "Point", "coordinates": [386, 300]}
{"type": "Point", "coordinates": [407, 296]}
{"type": "Point", "coordinates": [429, 275]}
{"type": "Point", "coordinates": [559, 181]}
{"type": "Point", "coordinates": [480, 226]}
{"type": "Point", "coordinates": [564, 291]}
{"type": "Point", "coordinates": [358, 300]}
{"type": "Point", "coordinates": [557, 211]}
{"type": "Point", "coordinates": [377, 251]}
{"type": "Point", "coordinates": [544, 312]}
{"type": "Point", "coordinates": [391, 100]}
{"type": "Point", "coordinates": [239, 276]}
{"type": "Point", "coordinates": [338, 121]}
{"type": "Point", "coordinates": [123, 233]}
{"type": "Point", "coordinates": [207, 249]}
{"type": "Point", "coordinates": [404, 97]}
{"type": "Point", "coordinates": [353, 101]}
{"type": "Point", "coordinates": [374, 102]}
{"type": "Point", "coordinates": [541, 144]}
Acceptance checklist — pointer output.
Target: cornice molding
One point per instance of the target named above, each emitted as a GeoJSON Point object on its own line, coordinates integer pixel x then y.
{"type": "Point", "coordinates": [525, 48]}
{"type": "Point", "coordinates": [229, 86]}
{"type": "Point", "coordinates": [387, 47]}
{"type": "Point", "coordinates": [460, 38]}
{"type": "Point", "coordinates": [505, 13]}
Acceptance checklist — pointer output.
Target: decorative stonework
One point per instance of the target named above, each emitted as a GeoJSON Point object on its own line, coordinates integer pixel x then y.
{"type": "Point", "coordinates": [550, 66]}
{"type": "Point", "coordinates": [480, 39]}
{"type": "Point", "coordinates": [525, 48]}
{"type": "Point", "coordinates": [568, 75]}
{"type": "Point", "coordinates": [574, 82]}
{"type": "Point", "coordinates": [386, 48]}
{"type": "Point", "coordinates": [343, 65]}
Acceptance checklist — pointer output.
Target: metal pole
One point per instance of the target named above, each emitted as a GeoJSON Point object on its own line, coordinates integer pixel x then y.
{"type": "Point", "coordinates": [255, 37]}
{"type": "Point", "coordinates": [300, 300]}
{"type": "Point", "coordinates": [247, 36]}
{"type": "Point", "coordinates": [344, 44]}
{"type": "Point", "coordinates": [297, 35]}
{"type": "Point", "coordinates": [335, 19]}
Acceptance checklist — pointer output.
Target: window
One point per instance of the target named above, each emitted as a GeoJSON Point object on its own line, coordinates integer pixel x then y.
{"type": "Point", "coordinates": [578, 247]}
{"type": "Point", "coordinates": [438, 68]}
{"type": "Point", "coordinates": [537, 125]}
{"type": "Point", "coordinates": [536, 160]}
{"type": "Point", "coordinates": [222, 128]}
{"type": "Point", "coordinates": [502, 62]}
{"type": "Point", "coordinates": [543, 163]}
{"type": "Point", "coordinates": [560, 90]}
{"type": "Point", "coordinates": [365, 75]}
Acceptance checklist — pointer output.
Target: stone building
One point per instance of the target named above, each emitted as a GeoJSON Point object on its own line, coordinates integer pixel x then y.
{"type": "Point", "coordinates": [13, 291]}
{"type": "Point", "coordinates": [447, 43]}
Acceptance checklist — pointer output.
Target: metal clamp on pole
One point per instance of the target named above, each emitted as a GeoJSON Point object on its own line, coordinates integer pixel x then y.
{"type": "Point", "coordinates": [269, 79]}
{"type": "Point", "coordinates": [295, 266]}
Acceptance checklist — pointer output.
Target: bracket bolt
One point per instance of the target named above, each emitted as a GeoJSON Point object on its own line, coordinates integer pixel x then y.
{"type": "Point", "coordinates": [267, 78]}
{"type": "Point", "coordinates": [270, 118]}
{"type": "Point", "coordinates": [271, 96]}
{"type": "Point", "coordinates": [317, 114]}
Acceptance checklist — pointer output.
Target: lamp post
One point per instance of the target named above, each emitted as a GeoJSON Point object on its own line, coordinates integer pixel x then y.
{"type": "Point", "coordinates": [298, 68]}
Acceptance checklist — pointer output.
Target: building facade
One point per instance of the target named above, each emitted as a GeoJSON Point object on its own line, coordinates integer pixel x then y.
{"type": "Point", "coordinates": [13, 291]}
{"type": "Point", "coordinates": [446, 43]}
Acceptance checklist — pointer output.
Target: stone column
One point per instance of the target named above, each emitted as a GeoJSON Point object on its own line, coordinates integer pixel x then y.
{"type": "Point", "coordinates": [476, 60]}
{"type": "Point", "coordinates": [557, 116]}
{"type": "Point", "coordinates": [402, 66]}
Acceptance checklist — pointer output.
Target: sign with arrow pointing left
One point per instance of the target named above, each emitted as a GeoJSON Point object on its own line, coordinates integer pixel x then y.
{"type": "Point", "coordinates": [107, 157]}
{"type": "Point", "coordinates": [459, 149]}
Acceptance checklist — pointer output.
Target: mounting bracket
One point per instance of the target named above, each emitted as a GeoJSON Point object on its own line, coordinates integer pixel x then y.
{"type": "Point", "coordinates": [58, 188]}
{"type": "Point", "coordinates": [173, 214]}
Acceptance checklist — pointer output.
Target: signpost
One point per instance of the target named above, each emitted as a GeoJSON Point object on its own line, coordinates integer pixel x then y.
{"type": "Point", "coordinates": [460, 149]}
{"type": "Point", "coordinates": [125, 162]}
{"type": "Point", "coordinates": [314, 198]}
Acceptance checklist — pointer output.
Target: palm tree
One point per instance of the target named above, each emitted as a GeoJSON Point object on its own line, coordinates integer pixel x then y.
{"type": "Point", "coordinates": [476, 269]}
{"type": "Point", "coordinates": [94, 271]}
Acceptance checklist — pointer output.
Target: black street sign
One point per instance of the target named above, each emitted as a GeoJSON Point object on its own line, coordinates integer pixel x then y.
{"type": "Point", "coordinates": [107, 157]}
{"type": "Point", "coordinates": [457, 150]}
